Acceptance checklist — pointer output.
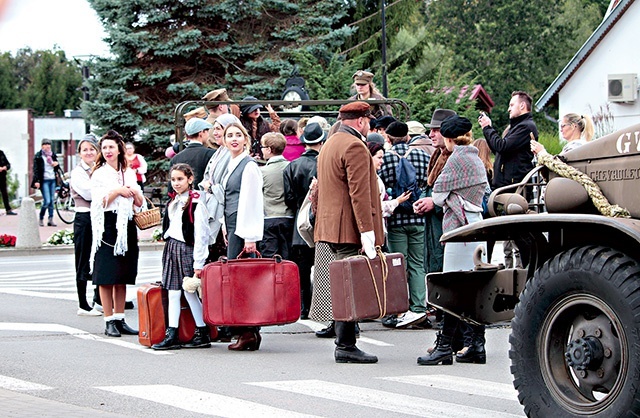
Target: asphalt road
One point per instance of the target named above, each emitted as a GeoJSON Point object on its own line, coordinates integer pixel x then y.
{"type": "Point", "coordinates": [50, 353]}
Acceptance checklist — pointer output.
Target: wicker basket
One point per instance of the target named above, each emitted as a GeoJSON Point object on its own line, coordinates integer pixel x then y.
{"type": "Point", "coordinates": [148, 218]}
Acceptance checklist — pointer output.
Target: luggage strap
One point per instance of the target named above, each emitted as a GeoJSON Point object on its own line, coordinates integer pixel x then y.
{"type": "Point", "coordinates": [385, 273]}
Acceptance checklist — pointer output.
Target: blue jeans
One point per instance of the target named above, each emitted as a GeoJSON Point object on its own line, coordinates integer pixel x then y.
{"type": "Point", "coordinates": [48, 189]}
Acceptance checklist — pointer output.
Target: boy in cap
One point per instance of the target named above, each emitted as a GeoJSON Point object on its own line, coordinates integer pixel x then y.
{"type": "Point", "coordinates": [195, 153]}
{"type": "Point", "coordinates": [348, 191]}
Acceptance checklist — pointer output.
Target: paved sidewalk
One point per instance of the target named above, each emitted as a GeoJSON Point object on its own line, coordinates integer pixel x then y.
{"type": "Point", "coordinates": [21, 405]}
{"type": "Point", "coordinates": [9, 225]}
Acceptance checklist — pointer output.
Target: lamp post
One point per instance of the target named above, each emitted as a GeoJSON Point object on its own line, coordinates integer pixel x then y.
{"type": "Point", "coordinates": [384, 49]}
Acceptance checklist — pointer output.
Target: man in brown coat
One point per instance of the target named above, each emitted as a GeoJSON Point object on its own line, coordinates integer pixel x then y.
{"type": "Point", "coordinates": [349, 216]}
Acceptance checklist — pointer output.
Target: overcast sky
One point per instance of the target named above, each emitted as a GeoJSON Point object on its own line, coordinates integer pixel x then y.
{"type": "Point", "coordinates": [40, 24]}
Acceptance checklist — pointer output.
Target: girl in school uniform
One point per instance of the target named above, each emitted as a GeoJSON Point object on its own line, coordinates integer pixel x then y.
{"type": "Point", "coordinates": [184, 223]}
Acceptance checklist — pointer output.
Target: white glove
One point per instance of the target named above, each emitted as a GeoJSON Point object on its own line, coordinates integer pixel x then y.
{"type": "Point", "coordinates": [368, 240]}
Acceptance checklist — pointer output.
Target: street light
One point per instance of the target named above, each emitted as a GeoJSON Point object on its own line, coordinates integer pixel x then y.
{"type": "Point", "coordinates": [384, 50]}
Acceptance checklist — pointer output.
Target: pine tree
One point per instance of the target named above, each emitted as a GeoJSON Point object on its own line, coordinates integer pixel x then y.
{"type": "Point", "coordinates": [168, 51]}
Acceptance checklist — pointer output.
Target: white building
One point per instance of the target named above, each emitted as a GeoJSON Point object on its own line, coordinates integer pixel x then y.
{"type": "Point", "coordinates": [601, 78]}
{"type": "Point", "coordinates": [21, 136]}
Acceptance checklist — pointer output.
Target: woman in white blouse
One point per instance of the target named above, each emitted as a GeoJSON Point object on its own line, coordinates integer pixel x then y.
{"type": "Point", "coordinates": [80, 183]}
{"type": "Point", "coordinates": [243, 211]}
{"type": "Point", "coordinates": [114, 250]}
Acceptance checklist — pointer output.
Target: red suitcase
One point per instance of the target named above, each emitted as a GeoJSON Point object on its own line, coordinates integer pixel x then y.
{"type": "Point", "coordinates": [251, 292]}
{"type": "Point", "coordinates": [152, 319]}
{"type": "Point", "coordinates": [355, 295]}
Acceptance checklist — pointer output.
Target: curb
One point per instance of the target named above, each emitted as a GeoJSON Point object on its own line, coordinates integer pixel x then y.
{"type": "Point", "coordinates": [66, 249]}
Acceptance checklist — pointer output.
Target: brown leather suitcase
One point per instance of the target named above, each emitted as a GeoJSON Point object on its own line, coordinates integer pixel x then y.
{"type": "Point", "coordinates": [368, 289]}
{"type": "Point", "coordinates": [251, 292]}
{"type": "Point", "coordinates": [152, 318]}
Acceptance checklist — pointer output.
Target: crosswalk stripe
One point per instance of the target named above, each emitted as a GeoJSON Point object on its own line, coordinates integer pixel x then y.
{"type": "Point", "coordinates": [460, 384]}
{"type": "Point", "coordinates": [201, 402]}
{"type": "Point", "coordinates": [387, 401]}
{"type": "Point", "coordinates": [77, 333]}
{"type": "Point", "coordinates": [11, 383]}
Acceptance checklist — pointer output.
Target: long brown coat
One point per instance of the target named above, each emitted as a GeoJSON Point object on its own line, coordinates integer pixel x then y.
{"type": "Point", "coordinates": [348, 194]}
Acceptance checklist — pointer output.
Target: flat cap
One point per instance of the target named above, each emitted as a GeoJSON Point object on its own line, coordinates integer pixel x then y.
{"type": "Point", "coordinates": [219, 95]}
{"type": "Point", "coordinates": [416, 128]}
{"type": "Point", "coordinates": [355, 110]}
{"type": "Point", "coordinates": [455, 126]}
{"type": "Point", "coordinates": [397, 129]}
{"type": "Point", "coordinates": [375, 137]}
{"type": "Point", "coordinates": [362, 77]}
{"type": "Point", "coordinates": [196, 125]}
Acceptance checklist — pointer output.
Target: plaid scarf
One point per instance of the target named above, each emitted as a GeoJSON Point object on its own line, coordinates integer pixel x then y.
{"type": "Point", "coordinates": [436, 164]}
{"type": "Point", "coordinates": [464, 179]}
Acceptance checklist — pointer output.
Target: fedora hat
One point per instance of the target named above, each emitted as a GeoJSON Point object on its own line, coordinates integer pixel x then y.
{"type": "Point", "coordinates": [438, 116]}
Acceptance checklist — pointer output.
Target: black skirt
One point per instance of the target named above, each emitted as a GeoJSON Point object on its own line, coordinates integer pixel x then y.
{"type": "Point", "coordinates": [109, 269]}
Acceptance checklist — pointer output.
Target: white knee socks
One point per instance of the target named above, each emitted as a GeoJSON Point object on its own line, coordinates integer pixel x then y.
{"type": "Point", "coordinates": [174, 308]}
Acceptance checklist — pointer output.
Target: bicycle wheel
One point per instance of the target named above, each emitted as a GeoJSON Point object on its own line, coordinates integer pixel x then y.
{"type": "Point", "coordinates": [65, 207]}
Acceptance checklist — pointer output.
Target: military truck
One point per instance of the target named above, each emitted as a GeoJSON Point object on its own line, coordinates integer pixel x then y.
{"type": "Point", "coordinates": [575, 306]}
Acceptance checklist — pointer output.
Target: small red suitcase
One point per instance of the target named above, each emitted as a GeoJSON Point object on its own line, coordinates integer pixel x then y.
{"type": "Point", "coordinates": [152, 319]}
{"type": "Point", "coordinates": [355, 295]}
{"type": "Point", "coordinates": [251, 292]}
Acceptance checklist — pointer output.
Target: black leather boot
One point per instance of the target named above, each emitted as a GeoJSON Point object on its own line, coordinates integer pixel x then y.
{"type": "Point", "coordinates": [111, 329]}
{"type": "Point", "coordinates": [474, 352]}
{"type": "Point", "coordinates": [441, 354]}
{"type": "Point", "coordinates": [124, 328]}
{"type": "Point", "coordinates": [201, 338]}
{"type": "Point", "coordinates": [170, 342]}
{"type": "Point", "coordinates": [353, 355]}
{"type": "Point", "coordinates": [328, 332]}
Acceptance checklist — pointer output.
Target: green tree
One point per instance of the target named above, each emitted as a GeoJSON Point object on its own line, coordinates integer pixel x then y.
{"type": "Point", "coordinates": [8, 91]}
{"type": "Point", "coordinates": [510, 45]}
{"type": "Point", "coordinates": [54, 85]}
{"type": "Point", "coordinates": [166, 51]}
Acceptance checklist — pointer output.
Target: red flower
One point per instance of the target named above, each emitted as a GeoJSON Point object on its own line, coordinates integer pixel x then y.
{"type": "Point", "coordinates": [7, 240]}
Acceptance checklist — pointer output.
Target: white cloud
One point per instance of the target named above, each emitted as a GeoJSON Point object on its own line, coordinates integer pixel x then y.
{"type": "Point", "coordinates": [40, 24]}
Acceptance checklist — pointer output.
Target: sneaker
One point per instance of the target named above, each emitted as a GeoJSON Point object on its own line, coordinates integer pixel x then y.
{"type": "Point", "coordinates": [92, 312]}
{"type": "Point", "coordinates": [390, 321]}
{"type": "Point", "coordinates": [10, 212]}
{"type": "Point", "coordinates": [409, 318]}
{"type": "Point", "coordinates": [97, 307]}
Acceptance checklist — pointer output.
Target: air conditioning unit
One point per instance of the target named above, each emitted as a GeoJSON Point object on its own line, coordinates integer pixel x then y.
{"type": "Point", "coordinates": [622, 88]}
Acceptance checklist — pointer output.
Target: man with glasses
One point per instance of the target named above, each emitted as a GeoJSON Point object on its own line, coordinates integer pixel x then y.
{"type": "Point", "coordinates": [195, 153]}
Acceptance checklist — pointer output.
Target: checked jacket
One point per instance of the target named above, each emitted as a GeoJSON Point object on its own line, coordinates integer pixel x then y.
{"type": "Point", "coordinates": [420, 161]}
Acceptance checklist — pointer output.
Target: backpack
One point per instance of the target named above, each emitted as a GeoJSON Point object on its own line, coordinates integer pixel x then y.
{"type": "Point", "coordinates": [405, 181]}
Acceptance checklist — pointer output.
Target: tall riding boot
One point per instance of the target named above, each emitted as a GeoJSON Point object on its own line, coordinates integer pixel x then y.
{"type": "Point", "coordinates": [201, 338]}
{"type": "Point", "coordinates": [170, 342]}
{"type": "Point", "coordinates": [441, 354]}
{"type": "Point", "coordinates": [474, 352]}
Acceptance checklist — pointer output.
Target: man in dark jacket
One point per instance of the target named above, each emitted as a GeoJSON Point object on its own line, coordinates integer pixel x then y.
{"type": "Point", "coordinates": [513, 152]}
{"type": "Point", "coordinates": [297, 178]}
{"type": "Point", "coordinates": [4, 167]}
{"type": "Point", "coordinates": [195, 154]}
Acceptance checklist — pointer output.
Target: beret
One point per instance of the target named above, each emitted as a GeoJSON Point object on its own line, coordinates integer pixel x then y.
{"type": "Point", "coordinates": [384, 121]}
{"type": "Point", "coordinates": [219, 95]}
{"type": "Point", "coordinates": [397, 129]}
{"type": "Point", "coordinates": [355, 110]}
{"type": "Point", "coordinates": [376, 138]}
{"type": "Point", "coordinates": [455, 126]}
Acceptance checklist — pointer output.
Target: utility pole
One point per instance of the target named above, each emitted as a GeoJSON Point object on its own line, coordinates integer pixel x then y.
{"type": "Point", "coordinates": [384, 50]}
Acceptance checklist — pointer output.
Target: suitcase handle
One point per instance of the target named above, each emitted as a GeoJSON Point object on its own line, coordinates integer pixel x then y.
{"type": "Point", "coordinates": [385, 273]}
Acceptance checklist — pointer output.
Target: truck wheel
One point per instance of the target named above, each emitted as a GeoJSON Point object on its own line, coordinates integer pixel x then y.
{"type": "Point", "coordinates": [573, 333]}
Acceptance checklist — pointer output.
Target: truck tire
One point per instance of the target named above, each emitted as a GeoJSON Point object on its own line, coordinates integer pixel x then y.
{"type": "Point", "coordinates": [575, 341]}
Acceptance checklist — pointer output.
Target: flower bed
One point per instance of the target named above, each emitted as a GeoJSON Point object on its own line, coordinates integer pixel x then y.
{"type": "Point", "coordinates": [7, 240]}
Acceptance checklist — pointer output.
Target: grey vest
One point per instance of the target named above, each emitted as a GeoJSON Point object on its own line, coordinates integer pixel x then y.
{"type": "Point", "coordinates": [232, 190]}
